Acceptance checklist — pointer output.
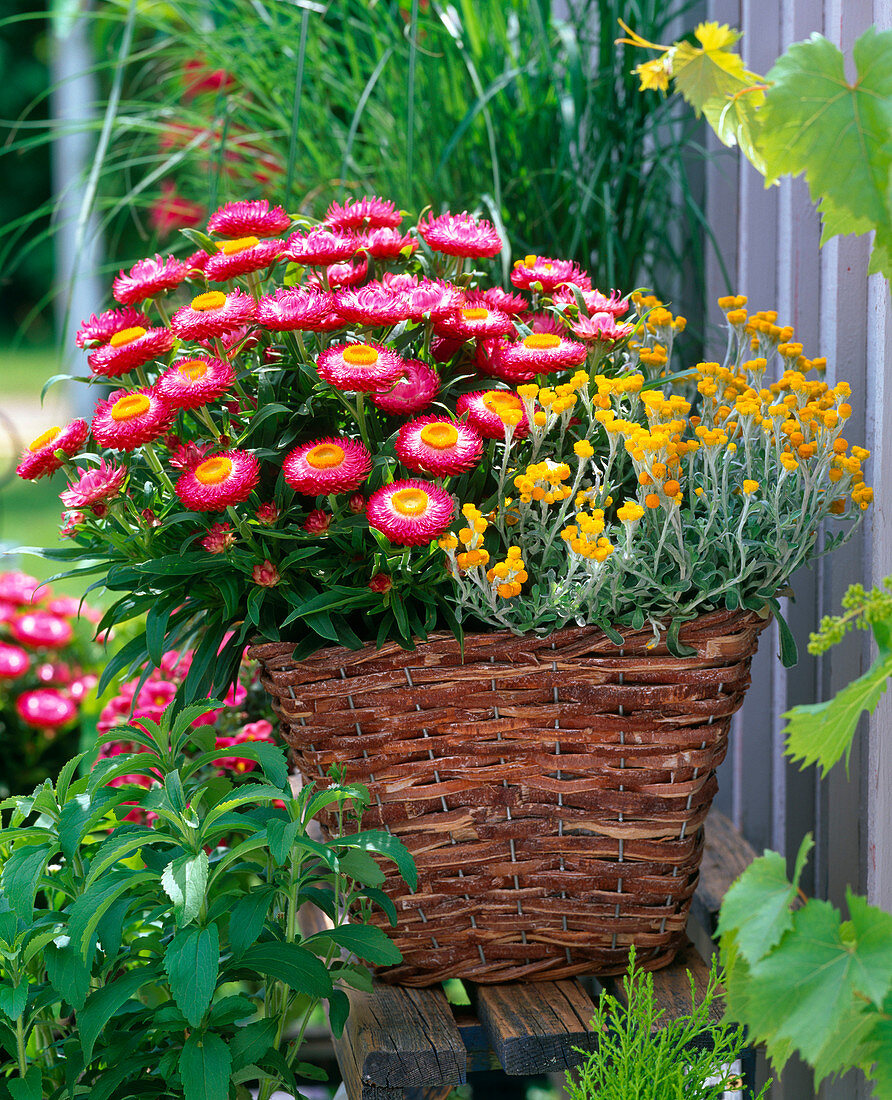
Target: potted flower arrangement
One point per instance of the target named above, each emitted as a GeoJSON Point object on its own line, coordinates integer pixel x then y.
{"type": "Point", "coordinates": [508, 568]}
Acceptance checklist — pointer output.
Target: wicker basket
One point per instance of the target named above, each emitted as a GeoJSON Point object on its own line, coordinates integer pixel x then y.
{"type": "Point", "coordinates": [552, 790]}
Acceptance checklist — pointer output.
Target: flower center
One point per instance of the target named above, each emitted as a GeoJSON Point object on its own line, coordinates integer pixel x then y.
{"type": "Point", "coordinates": [231, 248]}
{"type": "Point", "coordinates": [213, 299]}
{"type": "Point", "coordinates": [500, 402]}
{"type": "Point", "coordinates": [529, 261]}
{"type": "Point", "coordinates": [439, 436]}
{"type": "Point", "coordinates": [44, 439]}
{"type": "Point", "coordinates": [133, 405]}
{"type": "Point", "coordinates": [475, 314]}
{"type": "Point", "coordinates": [127, 336]}
{"type": "Point", "coordinates": [214, 470]}
{"type": "Point", "coordinates": [193, 369]}
{"type": "Point", "coordinates": [325, 456]}
{"type": "Point", "coordinates": [410, 502]}
{"type": "Point", "coordinates": [361, 355]}
{"type": "Point", "coordinates": [539, 341]}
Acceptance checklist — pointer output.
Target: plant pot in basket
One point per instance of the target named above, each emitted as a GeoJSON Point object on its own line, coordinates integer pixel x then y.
{"type": "Point", "coordinates": [508, 569]}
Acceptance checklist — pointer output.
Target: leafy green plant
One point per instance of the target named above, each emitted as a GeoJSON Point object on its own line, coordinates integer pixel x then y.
{"type": "Point", "coordinates": [642, 1055]}
{"type": "Point", "coordinates": [805, 116]}
{"type": "Point", "coordinates": [165, 960]}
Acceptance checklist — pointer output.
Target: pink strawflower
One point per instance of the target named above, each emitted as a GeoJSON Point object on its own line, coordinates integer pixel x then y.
{"type": "Point", "coordinates": [249, 219]}
{"type": "Point", "coordinates": [42, 629]}
{"type": "Point", "coordinates": [219, 538]}
{"type": "Point", "coordinates": [40, 456]}
{"type": "Point", "coordinates": [45, 708]}
{"type": "Point", "coordinates": [14, 662]}
{"type": "Point", "coordinates": [340, 275]}
{"type": "Point", "coordinates": [357, 503]}
{"type": "Point", "coordinates": [372, 304]}
{"type": "Point", "coordinates": [70, 523]}
{"type": "Point", "coordinates": [434, 299]}
{"type": "Point", "coordinates": [595, 301]}
{"type": "Point", "coordinates": [102, 483]}
{"type": "Point", "coordinates": [242, 256]}
{"type": "Point", "coordinates": [17, 587]}
{"type": "Point", "coordinates": [186, 456]}
{"type": "Point", "coordinates": [413, 392]}
{"type": "Point", "coordinates": [196, 262]}
{"type": "Point", "coordinates": [147, 278]}
{"type": "Point", "coordinates": [381, 583]}
{"type": "Point", "coordinates": [443, 348]}
{"type": "Point", "coordinates": [243, 338]}
{"type": "Point", "coordinates": [485, 410]}
{"type": "Point", "coordinates": [538, 353]}
{"type": "Point", "coordinates": [268, 513]}
{"type": "Point", "coordinates": [460, 235]}
{"type": "Point", "coordinates": [543, 322]}
{"type": "Point", "coordinates": [73, 608]}
{"type": "Point", "coordinates": [153, 697]}
{"type": "Point", "coordinates": [331, 465]}
{"type": "Point", "coordinates": [320, 247]}
{"type": "Point", "coordinates": [437, 446]}
{"type": "Point", "coordinates": [410, 513]}
{"type": "Point", "coordinates": [213, 314]}
{"type": "Point", "coordinates": [149, 518]}
{"type": "Point", "coordinates": [360, 368]}
{"type": "Point", "coordinates": [548, 273]}
{"type": "Point", "coordinates": [370, 212]}
{"type": "Point", "coordinates": [198, 78]}
{"type": "Point", "coordinates": [128, 419]}
{"type": "Point", "coordinates": [99, 330]}
{"type": "Point", "coordinates": [191, 383]}
{"type": "Point", "coordinates": [266, 575]}
{"type": "Point", "coordinates": [387, 244]}
{"type": "Point", "coordinates": [128, 349]}
{"type": "Point", "coordinates": [600, 328]}
{"type": "Point", "coordinates": [317, 522]}
{"type": "Point", "coordinates": [218, 481]}
{"type": "Point", "coordinates": [300, 309]}
{"type": "Point", "coordinates": [504, 301]}
{"type": "Point", "coordinates": [475, 321]}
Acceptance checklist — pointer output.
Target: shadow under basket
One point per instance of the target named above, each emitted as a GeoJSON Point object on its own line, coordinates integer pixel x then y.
{"type": "Point", "coordinates": [551, 790]}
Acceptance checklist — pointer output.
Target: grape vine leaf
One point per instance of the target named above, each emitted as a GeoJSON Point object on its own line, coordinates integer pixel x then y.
{"type": "Point", "coordinates": [838, 133]}
{"type": "Point", "coordinates": [881, 1071]}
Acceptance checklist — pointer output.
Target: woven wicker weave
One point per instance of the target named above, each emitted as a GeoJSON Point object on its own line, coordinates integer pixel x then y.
{"type": "Point", "coordinates": [552, 791]}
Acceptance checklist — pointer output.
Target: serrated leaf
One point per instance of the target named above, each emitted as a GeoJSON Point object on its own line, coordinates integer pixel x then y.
{"type": "Point", "coordinates": [192, 962]}
{"type": "Point", "coordinates": [376, 840]}
{"type": "Point", "coordinates": [820, 733]}
{"type": "Point", "coordinates": [185, 880]}
{"type": "Point", "coordinates": [250, 1043]}
{"type": "Point", "coordinates": [29, 1087]}
{"type": "Point", "coordinates": [290, 963]}
{"type": "Point", "coordinates": [360, 866]}
{"type": "Point", "coordinates": [21, 874]}
{"type": "Point", "coordinates": [67, 972]}
{"type": "Point", "coordinates": [13, 999]}
{"type": "Point", "coordinates": [247, 918]}
{"type": "Point", "coordinates": [205, 1067]}
{"type": "Point", "coordinates": [104, 1002]}
{"type": "Point", "coordinates": [363, 940]}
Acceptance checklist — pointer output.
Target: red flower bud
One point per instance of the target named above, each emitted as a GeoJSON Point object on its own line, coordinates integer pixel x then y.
{"type": "Point", "coordinates": [381, 583]}
{"type": "Point", "coordinates": [356, 503]}
{"type": "Point", "coordinates": [317, 522]}
{"type": "Point", "coordinates": [265, 574]}
{"type": "Point", "coordinates": [268, 513]}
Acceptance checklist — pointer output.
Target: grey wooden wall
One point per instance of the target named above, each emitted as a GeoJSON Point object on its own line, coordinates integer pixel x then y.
{"type": "Point", "coordinates": [769, 241]}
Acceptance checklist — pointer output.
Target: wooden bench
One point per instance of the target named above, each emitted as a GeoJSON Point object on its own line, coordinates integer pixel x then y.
{"type": "Point", "coordinates": [401, 1043]}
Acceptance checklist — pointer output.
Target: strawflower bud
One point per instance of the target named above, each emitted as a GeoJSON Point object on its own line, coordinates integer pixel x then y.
{"type": "Point", "coordinates": [265, 574]}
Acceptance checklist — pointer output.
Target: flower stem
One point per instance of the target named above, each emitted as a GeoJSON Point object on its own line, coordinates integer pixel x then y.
{"type": "Point", "coordinates": [152, 459]}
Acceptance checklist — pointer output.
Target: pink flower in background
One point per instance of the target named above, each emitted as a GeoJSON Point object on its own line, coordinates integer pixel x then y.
{"type": "Point", "coordinates": [370, 212]}
{"type": "Point", "coordinates": [14, 662]}
{"type": "Point", "coordinates": [172, 211]}
{"type": "Point", "coordinates": [147, 278]}
{"type": "Point", "coordinates": [45, 708]}
{"type": "Point", "coordinates": [42, 629]}
{"type": "Point", "coordinates": [18, 587]}
{"type": "Point", "coordinates": [461, 235]}
{"type": "Point", "coordinates": [243, 219]}
{"type": "Point", "coordinates": [102, 483]}
{"type": "Point", "coordinates": [99, 330]}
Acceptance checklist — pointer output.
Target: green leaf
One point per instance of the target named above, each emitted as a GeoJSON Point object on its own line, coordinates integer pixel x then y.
{"type": "Point", "coordinates": [65, 777]}
{"type": "Point", "coordinates": [338, 1011]}
{"type": "Point", "coordinates": [289, 963]}
{"type": "Point", "coordinates": [757, 906]}
{"type": "Point", "coordinates": [90, 907]}
{"type": "Point", "coordinates": [250, 1043]}
{"type": "Point", "coordinates": [376, 840]}
{"type": "Point", "coordinates": [104, 1002]}
{"type": "Point", "coordinates": [185, 880]}
{"type": "Point", "coordinates": [247, 918]}
{"type": "Point", "coordinates": [205, 1067]}
{"type": "Point", "coordinates": [360, 866]}
{"type": "Point", "coordinates": [192, 962]}
{"type": "Point", "coordinates": [363, 940]}
{"type": "Point", "coordinates": [282, 835]}
{"type": "Point", "coordinates": [21, 874]}
{"type": "Point", "coordinates": [29, 1087]}
{"type": "Point", "coordinates": [13, 999]}
{"type": "Point", "coordinates": [822, 732]}
{"type": "Point", "coordinates": [67, 972]}
{"type": "Point", "coordinates": [814, 121]}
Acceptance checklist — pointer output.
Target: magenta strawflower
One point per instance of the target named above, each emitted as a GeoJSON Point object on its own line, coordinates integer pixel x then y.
{"type": "Point", "coordinates": [372, 304]}
{"type": "Point", "coordinates": [14, 662]}
{"type": "Point", "coordinates": [370, 212]}
{"type": "Point", "coordinates": [600, 328]}
{"type": "Point", "coordinates": [339, 275]}
{"type": "Point", "coordinates": [538, 353]}
{"type": "Point", "coordinates": [362, 368]}
{"type": "Point", "coordinates": [42, 629]}
{"type": "Point", "coordinates": [410, 513]}
{"type": "Point", "coordinates": [434, 299]}
{"type": "Point", "coordinates": [99, 330]}
{"type": "Point", "coordinates": [413, 392]}
{"type": "Point", "coordinates": [475, 321]}
{"type": "Point", "coordinates": [39, 458]}
{"type": "Point", "coordinates": [268, 513]}
{"type": "Point", "coordinates": [129, 418]}
{"type": "Point", "coordinates": [503, 300]}
{"type": "Point", "coordinates": [17, 587]}
{"type": "Point", "coordinates": [438, 446]}
{"type": "Point", "coordinates": [486, 411]}
{"type": "Point", "coordinates": [249, 219]}
{"type": "Point", "coordinates": [213, 314]}
{"type": "Point", "coordinates": [219, 538]}
{"type": "Point", "coordinates": [147, 278]}
{"type": "Point", "coordinates": [387, 244]}
{"type": "Point", "coordinates": [548, 273]}
{"type": "Point", "coordinates": [543, 322]}
{"type": "Point", "coordinates": [128, 349]}
{"type": "Point", "coordinates": [321, 247]}
{"type": "Point", "coordinates": [214, 484]}
{"type": "Point", "coordinates": [595, 301]}
{"type": "Point", "coordinates": [191, 383]}
{"type": "Point", "coordinates": [298, 309]}
{"type": "Point", "coordinates": [186, 456]}
{"type": "Point", "coordinates": [45, 708]}
{"type": "Point", "coordinates": [380, 583]}
{"type": "Point", "coordinates": [102, 483]}
{"type": "Point", "coordinates": [461, 235]}
{"type": "Point", "coordinates": [330, 465]}
{"type": "Point", "coordinates": [241, 256]}
{"type": "Point", "coordinates": [317, 522]}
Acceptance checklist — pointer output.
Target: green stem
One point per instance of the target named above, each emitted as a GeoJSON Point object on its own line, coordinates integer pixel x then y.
{"type": "Point", "coordinates": [361, 419]}
{"type": "Point", "coordinates": [205, 417]}
{"type": "Point", "coordinates": [162, 312]}
{"type": "Point", "coordinates": [153, 461]}
{"type": "Point", "coordinates": [242, 527]}
{"type": "Point", "coordinates": [20, 1046]}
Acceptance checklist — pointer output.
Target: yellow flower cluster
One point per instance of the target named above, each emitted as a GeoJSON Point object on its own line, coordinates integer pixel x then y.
{"type": "Point", "coordinates": [509, 575]}
{"type": "Point", "coordinates": [544, 481]}
{"type": "Point", "coordinates": [609, 388]}
{"type": "Point", "coordinates": [553, 402]}
{"type": "Point", "coordinates": [472, 539]}
{"type": "Point", "coordinates": [582, 536]}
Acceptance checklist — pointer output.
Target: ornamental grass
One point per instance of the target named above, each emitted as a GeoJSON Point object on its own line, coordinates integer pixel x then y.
{"type": "Point", "coordinates": [350, 444]}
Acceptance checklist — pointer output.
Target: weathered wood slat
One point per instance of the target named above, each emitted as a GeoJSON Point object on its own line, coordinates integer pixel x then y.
{"type": "Point", "coordinates": [534, 1027]}
{"type": "Point", "coordinates": [480, 1054]}
{"type": "Point", "coordinates": [726, 854]}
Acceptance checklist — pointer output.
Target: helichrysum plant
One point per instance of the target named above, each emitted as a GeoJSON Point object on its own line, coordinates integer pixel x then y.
{"type": "Point", "coordinates": [346, 433]}
{"type": "Point", "coordinates": [162, 957]}
{"type": "Point", "coordinates": [642, 1054]}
